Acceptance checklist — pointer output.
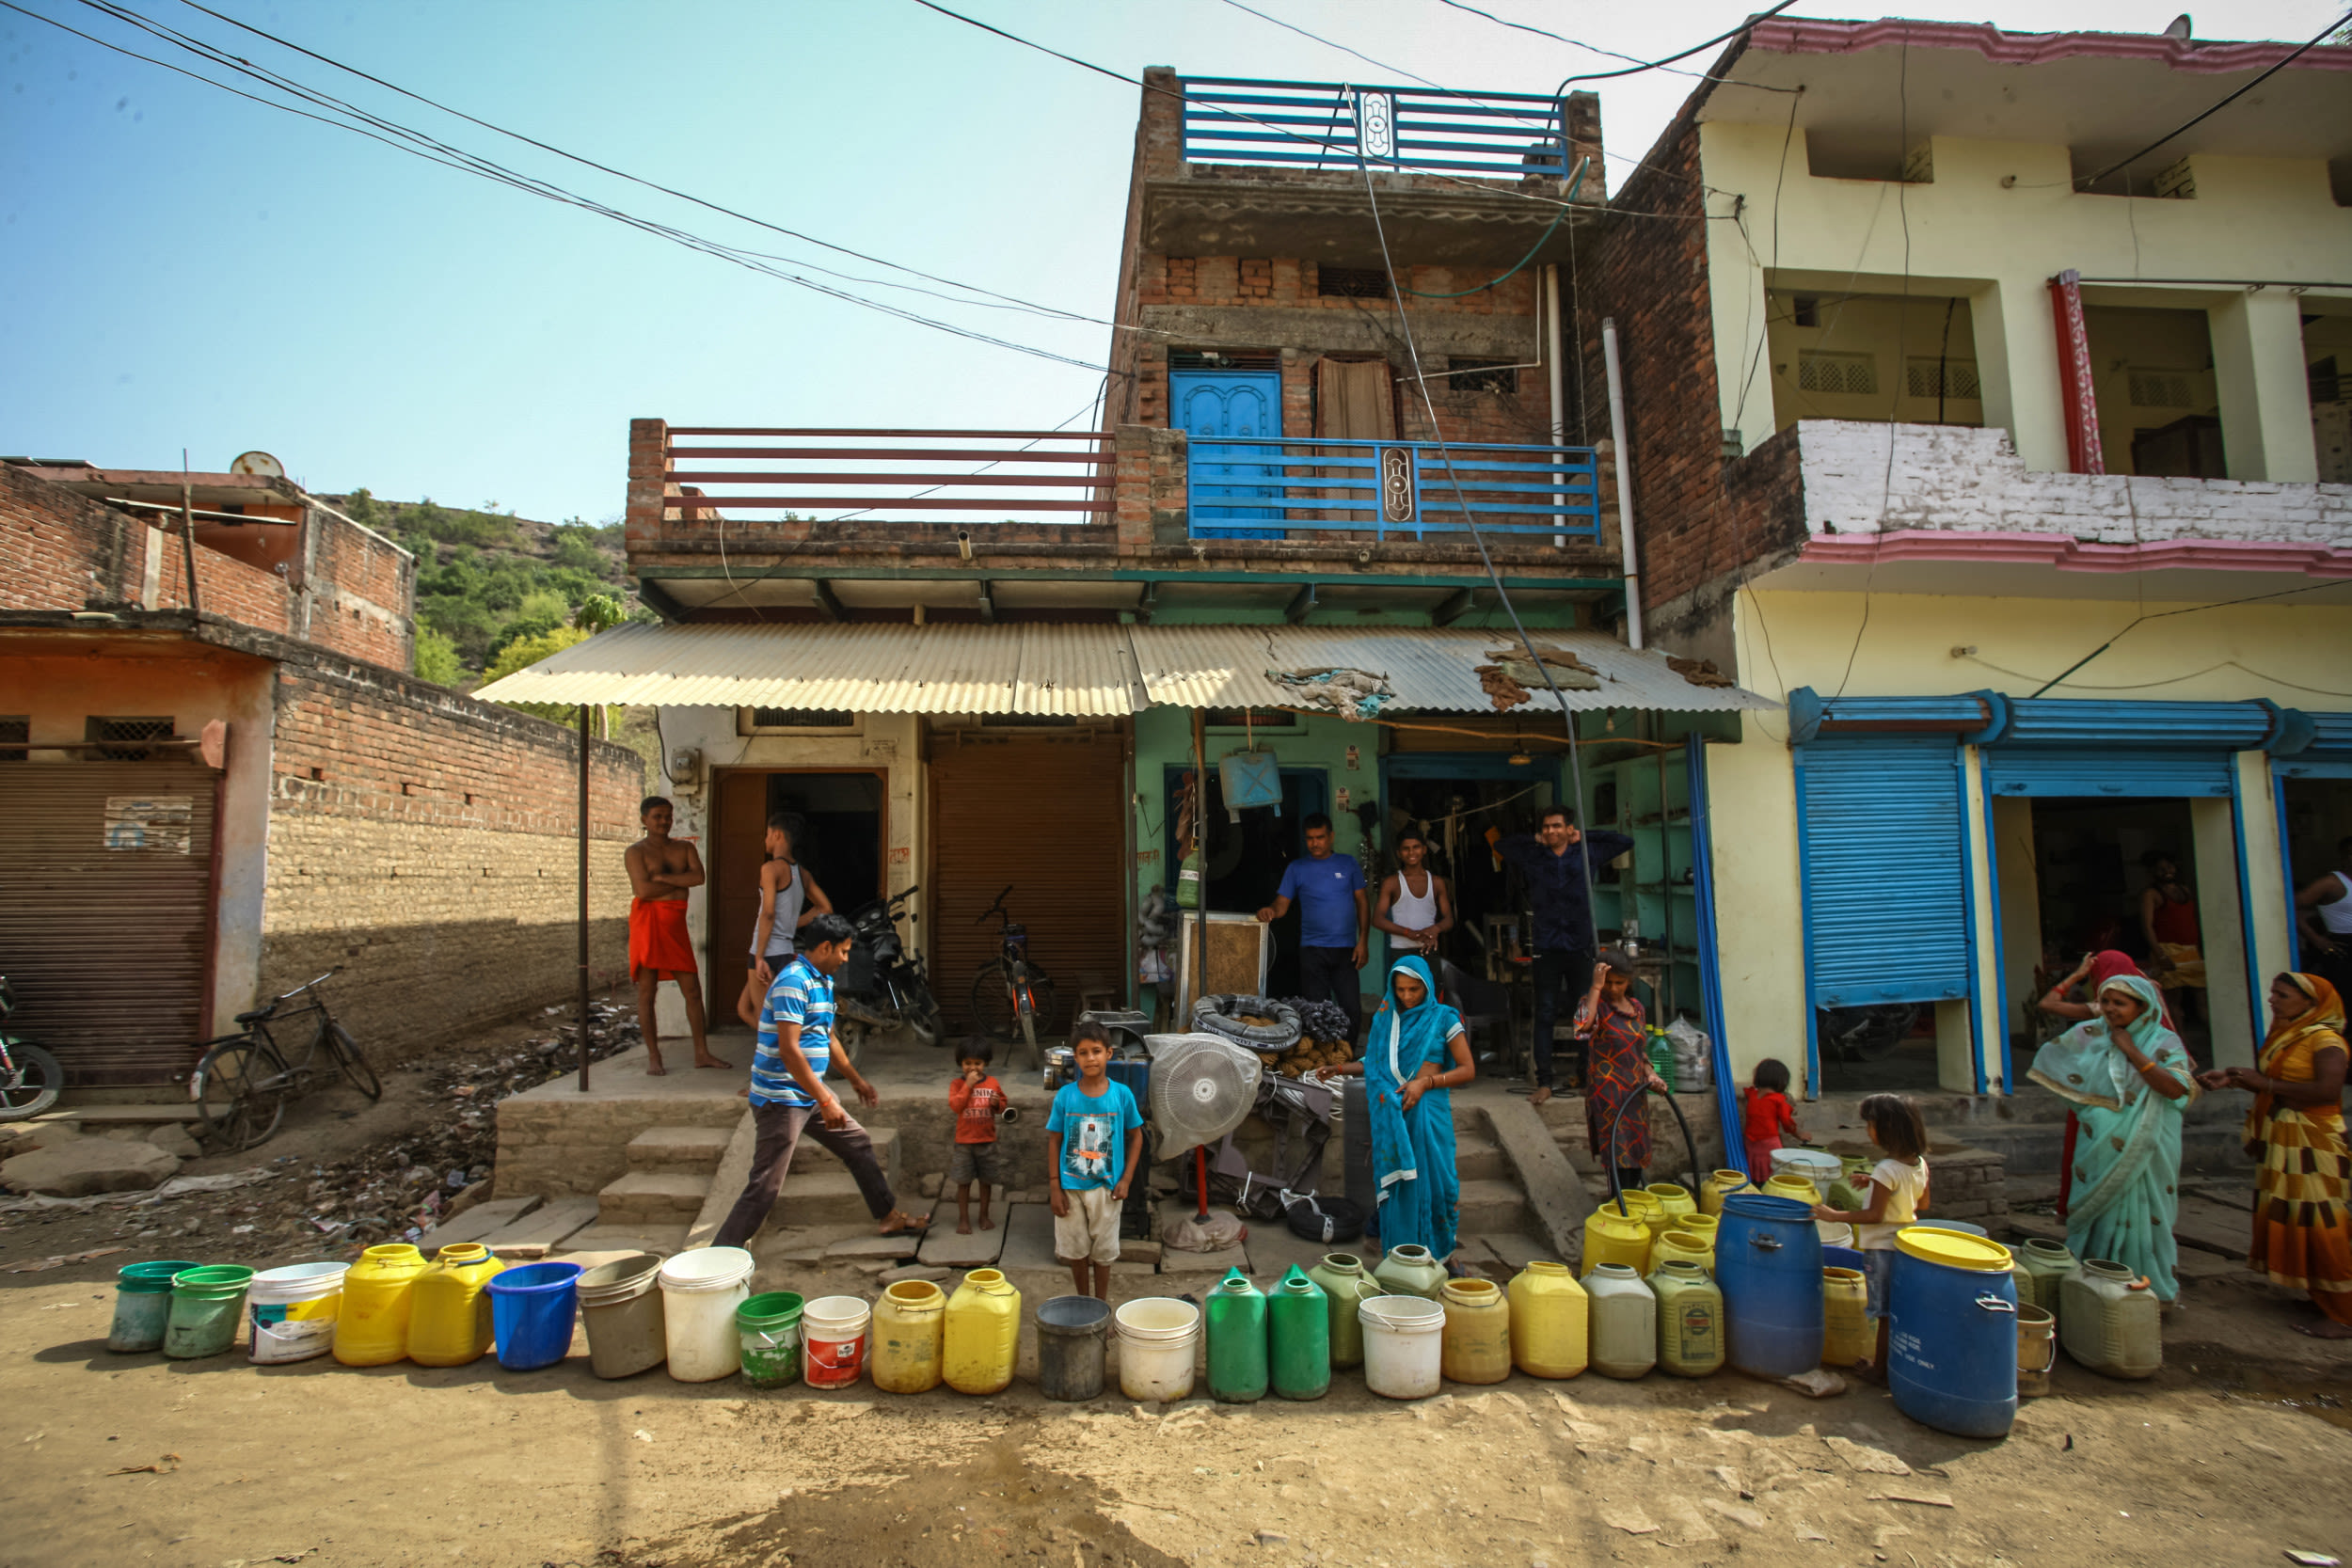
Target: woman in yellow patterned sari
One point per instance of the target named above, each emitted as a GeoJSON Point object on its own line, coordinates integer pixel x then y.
{"type": "Point", "coordinates": [2302, 1233]}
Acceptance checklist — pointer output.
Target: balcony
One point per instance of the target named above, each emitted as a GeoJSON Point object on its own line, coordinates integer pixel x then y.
{"type": "Point", "coordinates": [1240, 488]}
{"type": "Point", "coordinates": [1326, 125]}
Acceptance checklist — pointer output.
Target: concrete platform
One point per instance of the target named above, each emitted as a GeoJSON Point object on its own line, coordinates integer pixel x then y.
{"type": "Point", "coordinates": [943, 1248]}
{"type": "Point", "coordinates": [607, 1242]}
{"type": "Point", "coordinates": [1028, 1238]}
{"type": "Point", "coordinates": [478, 1222]}
{"type": "Point", "coordinates": [538, 1232]}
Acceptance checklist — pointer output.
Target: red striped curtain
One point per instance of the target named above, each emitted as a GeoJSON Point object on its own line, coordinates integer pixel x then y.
{"type": "Point", "coordinates": [2083, 453]}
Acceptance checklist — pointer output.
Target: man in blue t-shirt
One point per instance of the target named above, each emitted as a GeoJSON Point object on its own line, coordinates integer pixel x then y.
{"type": "Point", "coordinates": [1329, 891]}
{"type": "Point", "coordinates": [787, 1087]}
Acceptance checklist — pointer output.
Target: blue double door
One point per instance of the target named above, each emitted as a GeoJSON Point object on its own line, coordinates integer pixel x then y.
{"type": "Point", "coordinates": [1236, 492]}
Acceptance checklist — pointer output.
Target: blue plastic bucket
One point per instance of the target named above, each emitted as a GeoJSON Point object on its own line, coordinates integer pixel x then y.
{"type": "Point", "coordinates": [1842, 1257]}
{"type": "Point", "coordinates": [1951, 1356]}
{"type": "Point", "coordinates": [1768, 1261]}
{"type": "Point", "coordinates": [531, 1309]}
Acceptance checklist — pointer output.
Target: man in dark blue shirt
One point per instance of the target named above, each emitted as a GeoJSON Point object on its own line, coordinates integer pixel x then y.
{"type": "Point", "coordinates": [1329, 891]}
{"type": "Point", "coordinates": [1555, 860]}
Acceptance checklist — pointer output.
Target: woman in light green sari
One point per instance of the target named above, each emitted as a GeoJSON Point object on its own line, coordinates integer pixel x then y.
{"type": "Point", "coordinates": [2130, 1080]}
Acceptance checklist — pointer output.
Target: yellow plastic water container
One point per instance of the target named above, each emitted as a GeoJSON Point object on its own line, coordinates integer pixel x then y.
{"type": "Point", "coordinates": [1477, 1343]}
{"type": "Point", "coordinates": [449, 1319]}
{"type": "Point", "coordinates": [1689, 1320]}
{"type": "Point", "coordinates": [1682, 1247]}
{"type": "Point", "coordinates": [1611, 1237]}
{"type": "Point", "coordinates": [983, 1333]}
{"type": "Point", "coordinates": [909, 1338]}
{"type": "Point", "coordinates": [1795, 1187]}
{"type": "Point", "coordinates": [1674, 1202]}
{"type": "Point", "coordinates": [1720, 1186]}
{"type": "Point", "coordinates": [1550, 1320]}
{"type": "Point", "coordinates": [371, 1330]}
{"type": "Point", "coordinates": [1847, 1339]}
{"type": "Point", "coordinates": [1702, 1226]}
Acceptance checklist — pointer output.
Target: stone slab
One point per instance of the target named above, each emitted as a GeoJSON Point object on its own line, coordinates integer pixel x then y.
{"type": "Point", "coordinates": [2048, 1227]}
{"type": "Point", "coordinates": [888, 1247]}
{"type": "Point", "coordinates": [538, 1233]}
{"type": "Point", "coordinates": [79, 1167]}
{"type": "Point", "coordinates": [727, 1182]}
{"type": "Point", "coordinates": [175, 1110]}
{"type": "Point", "coordinates": [1556, 1194]}
{"type": "Point", "coordinates": [2197, 1263]}
{"type": "Point", "coordinates": [944, 1248]}
{"type": "Point", "coordinates": [1197, 1266]}
{"type": "Point", "coordinates": [1028, 1238]}
{"type": "Point", "coordinates": [2213, 1227]}
{"type": "Point", "coordinates": [479, 1220]}
{"type": "Point", "coordinates": [911, 1271]}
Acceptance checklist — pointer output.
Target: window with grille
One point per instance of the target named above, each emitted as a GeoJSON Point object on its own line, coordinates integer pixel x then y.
{"type": "Point", "coordinates": [17, 728]}
{"type": "Point", "coordinates": [2154, 388]}
{"type": "Point", "coordinates": [1351, 284]}
{"type": "Point", "coordinates": [1941, 378]}
{"type": "Point", "coordinates": [1481, 376]}
{"type": "Point", "coordinates": [1853, 375]}
{"type": "Point", "coordinates": [2327, 382]}
{"type": "Point", "coordinates": [96, 728]}
{"type": "Point", "coordinates": [798, 721]}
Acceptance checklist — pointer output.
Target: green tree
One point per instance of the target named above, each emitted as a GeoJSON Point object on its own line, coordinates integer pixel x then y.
{"type": "Point", "coordinates": [436, 658]}
{"type": "Point", "coordinates": [598, 611]}
{"type": "Point", "coordinates": [524, 652]}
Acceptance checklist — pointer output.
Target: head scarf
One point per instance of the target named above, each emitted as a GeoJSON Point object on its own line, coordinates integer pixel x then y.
{"type": "Point", "coordinates": [1401, 1038]}
{"type": "Point", "coordinates": [2083, 1065]}
{"type": "Point", "coordinates": [2326, 1011]}
{"type": "Point", "coordinates": [2109, 964]}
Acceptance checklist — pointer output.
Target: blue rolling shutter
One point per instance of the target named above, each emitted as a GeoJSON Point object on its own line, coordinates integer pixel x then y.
{"type": "Point", "coordinates": [1880, 841]}
{"type": "Point", "coordinates": [2107, 772]}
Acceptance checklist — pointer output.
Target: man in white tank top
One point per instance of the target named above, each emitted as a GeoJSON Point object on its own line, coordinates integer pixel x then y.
{"type": "Point", "coordinates": [1416, 907]}
{"type": "Point", "coordinates": [2324, 909]}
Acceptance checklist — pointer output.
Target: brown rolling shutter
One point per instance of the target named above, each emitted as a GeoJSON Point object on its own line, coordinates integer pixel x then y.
{"type": "Point", "coordinates": [106, 924]}
{"type": "Point", "coordinates": [1041, 813]}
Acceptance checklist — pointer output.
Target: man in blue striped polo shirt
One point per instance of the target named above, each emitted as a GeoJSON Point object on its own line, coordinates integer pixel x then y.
{"type": "Point", "coordinates": [789, 1087]}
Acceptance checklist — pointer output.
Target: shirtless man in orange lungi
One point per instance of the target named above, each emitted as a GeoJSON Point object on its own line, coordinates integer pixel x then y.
{"type": "Point", "coordinates": [661, 869]}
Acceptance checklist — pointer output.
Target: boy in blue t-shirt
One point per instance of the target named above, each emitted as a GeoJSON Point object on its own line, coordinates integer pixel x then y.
{"type": "Point", "coordinates": [1095, 1134]}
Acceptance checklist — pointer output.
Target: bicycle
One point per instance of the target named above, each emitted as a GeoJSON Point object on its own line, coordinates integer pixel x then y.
{"type": "Point", "coordinates": [242, 1081]}
{"type": "Point", "coordinates": [1011, 991]}
{"type": "Point", "coordinates": [29, 1076]}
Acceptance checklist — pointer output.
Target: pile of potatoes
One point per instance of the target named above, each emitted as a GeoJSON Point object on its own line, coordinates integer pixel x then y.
{"type": "Point", "coordinates": [1307, 1055]}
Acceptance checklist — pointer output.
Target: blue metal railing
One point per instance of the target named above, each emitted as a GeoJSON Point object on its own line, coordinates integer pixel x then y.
{"type": "Point", "coordinates": [1239, 487]}
{"type": "Point", "coordinates": [1327, 125]}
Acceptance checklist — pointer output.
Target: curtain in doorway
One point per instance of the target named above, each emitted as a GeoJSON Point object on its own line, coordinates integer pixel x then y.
{"type": "Point", "coordinates": [1354, 401]}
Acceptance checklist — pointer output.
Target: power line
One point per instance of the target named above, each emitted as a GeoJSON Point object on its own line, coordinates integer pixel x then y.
{"type": "Point", "coordinates": [2317, 39]}
{"type": "Point", "coordinates": [1594, 48]}
{"type": "Point", "coordinates": [1636, 69]}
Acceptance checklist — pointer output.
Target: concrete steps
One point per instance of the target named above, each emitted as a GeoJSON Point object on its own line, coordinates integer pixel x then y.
{"type": "Point", "coordinates": [1478, 1158]}
{"type": "Point", "coordinates": [1493, 1205]}
{"type": "Point", "coordinates": [672, 1170]}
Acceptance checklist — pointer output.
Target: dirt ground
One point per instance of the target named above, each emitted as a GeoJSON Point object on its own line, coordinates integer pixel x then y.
{"type": "Point", "coordinates": [2221, 1460]}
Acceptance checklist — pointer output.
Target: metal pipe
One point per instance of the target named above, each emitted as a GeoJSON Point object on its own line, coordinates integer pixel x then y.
{"type": "Point", "coordinates": [1625, 484]}
{"type": "Point", "coordinates": [583, 897]}
{"type": "Point", "coordinates": [187, 532]}
{"type": "Point", "coordinates": [1558, 344]}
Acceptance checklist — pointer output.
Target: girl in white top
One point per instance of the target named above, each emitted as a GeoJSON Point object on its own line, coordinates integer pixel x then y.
{"type": "Point", "coordinates": [1899, 1191]}
{"type": "Point", "coordinates": [1414, 920]}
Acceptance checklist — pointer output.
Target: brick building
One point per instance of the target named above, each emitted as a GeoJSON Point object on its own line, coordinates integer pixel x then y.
{"type": "Point", "coordinates": [201, 807]}
{"type": "Point", "coordinates": [1985, 408]}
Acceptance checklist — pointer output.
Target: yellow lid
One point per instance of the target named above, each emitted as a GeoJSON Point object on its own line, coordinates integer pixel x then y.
{"type": "Point", "coordinates": [1954, 1249]}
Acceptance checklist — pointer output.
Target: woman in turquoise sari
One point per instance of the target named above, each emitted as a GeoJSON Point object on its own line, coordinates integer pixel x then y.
{"type": "Point", "coordinates": [1414, 1052]}
{"type": "Point", "coordinates": [2130, 1081]}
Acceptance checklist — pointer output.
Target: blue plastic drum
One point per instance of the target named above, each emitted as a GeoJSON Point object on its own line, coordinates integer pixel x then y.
{"type": "Point", "coordinates": [1951, 1358]}
{"type": "Point", "coordinates": [1768, 1260]}
{"type": "Point", "coordinates": [532, 1311]}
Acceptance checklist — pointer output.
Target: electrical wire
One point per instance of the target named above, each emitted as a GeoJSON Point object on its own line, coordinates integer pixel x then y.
{"type": "Point", "coordinates": [1580, 44]}
{"type": "Point", "coordinates": [2169, 680]}
{"type": "Point", "coordinates": [1640, 66]}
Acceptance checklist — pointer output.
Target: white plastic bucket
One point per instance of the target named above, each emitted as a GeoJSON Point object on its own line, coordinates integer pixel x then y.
{"type": "Point", "coordinates": [293, 1311]}
{"type": "Point", "coordinates": [700, 1291]}
{"type": "Point", "coordinates": [833, 1341]}
{"type": "Point", "coordinates": [1834, 1233]}
{"type": "Point", "coordinates": [1404, 1340]}
{"type": "Point", "coordinates": [1160, 1338]}
{"type": "Point", "coordinates": [1815, 1166]}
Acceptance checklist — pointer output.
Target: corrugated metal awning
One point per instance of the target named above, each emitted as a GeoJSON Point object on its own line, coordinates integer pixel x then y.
{"type": "Point", "coordinates": [1096, 669]}
{"type": "Point", "coordinates": [1072, 671]}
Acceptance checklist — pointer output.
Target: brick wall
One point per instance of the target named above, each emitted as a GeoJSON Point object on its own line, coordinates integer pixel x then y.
{"type": "Point", "coordinates": [360, 590]}
{"type": "Point", "coordinates": [224, 585]}
{"type": "Point", "coordinates": [59, 551]}
{"type": "Point", "coordinates": [1698, 519]}
{"type": "Point", "coordinates": [429, 842]}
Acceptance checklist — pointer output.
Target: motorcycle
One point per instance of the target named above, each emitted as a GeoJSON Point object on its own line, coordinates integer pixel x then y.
{"type": "Point", "coordinates": [1864, 1033]}
{"type": "Point", "coordinates": [29, 1076]}
{"type": "Point", "coordinates": [885, 984]}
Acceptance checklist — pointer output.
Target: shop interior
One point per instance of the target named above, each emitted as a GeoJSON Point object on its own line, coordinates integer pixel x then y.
{"type": "Point", "coordinates": [1454, 817]}
{"type": "Point", "coordinates": [2318, 819]}
{"type": "Point", "coordinates": [839, 844]}
{"type": "Point", "coordinates": [1243, 862]}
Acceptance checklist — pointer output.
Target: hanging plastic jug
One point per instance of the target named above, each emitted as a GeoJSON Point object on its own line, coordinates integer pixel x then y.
{"type": "Point", "coordinates": [1298, 1337]}
{"type": "Point", "coordinates": [449, 1316]}
{"type": "Point", "coordinates": [1237, 1340]}
{"type": "Point", "coordinates": [1345, 1285]}
{"type": "Point", "coordinates": [1550, 1320]}
{"type": "Point", "coordinates": [983, 1334]}
{"type": "Point", "coordinates": [1477, 1341]}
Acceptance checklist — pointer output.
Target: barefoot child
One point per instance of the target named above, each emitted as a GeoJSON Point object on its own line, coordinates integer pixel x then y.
{"type": "Point", "coordinates": [1094, 1137]}
{"type": "Point", "coordinates": [1764, 1109]}
{"type": "Point", "coordinates": [1898, 1190]}
{"type": "Point", "coordinates": [978, 1100]}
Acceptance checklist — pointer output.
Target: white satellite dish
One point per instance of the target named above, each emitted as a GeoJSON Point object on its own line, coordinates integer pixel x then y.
{"type": "Point", "coordinates": [261, 464]}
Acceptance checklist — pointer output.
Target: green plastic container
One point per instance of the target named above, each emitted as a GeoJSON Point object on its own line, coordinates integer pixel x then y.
{"type": "Point", "coordinates": [1298, 1337]}
{"type": "Point", "coordinates": [142, 1305]}
{"type": "Point", "coordinates": [1661, 1057]}
{"type": "Point", "coordinates": [771, 1328]}
{"type": "Point", "coordinates": [1237, 1345]}
{"type": "Point", "coordinates": [1346, 1283]}
{"type": "Point", "coordinates": [207, 1303]}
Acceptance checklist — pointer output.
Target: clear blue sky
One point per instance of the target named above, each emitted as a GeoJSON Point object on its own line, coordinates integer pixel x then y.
{"type": "Point", "coordinates": [185, 268]}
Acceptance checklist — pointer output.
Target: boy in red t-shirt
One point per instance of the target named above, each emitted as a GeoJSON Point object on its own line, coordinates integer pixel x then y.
{"type": "Point", "coordinates": [978, 1100]}
{"type": "Point", "coordinates": [1765, 1109]}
